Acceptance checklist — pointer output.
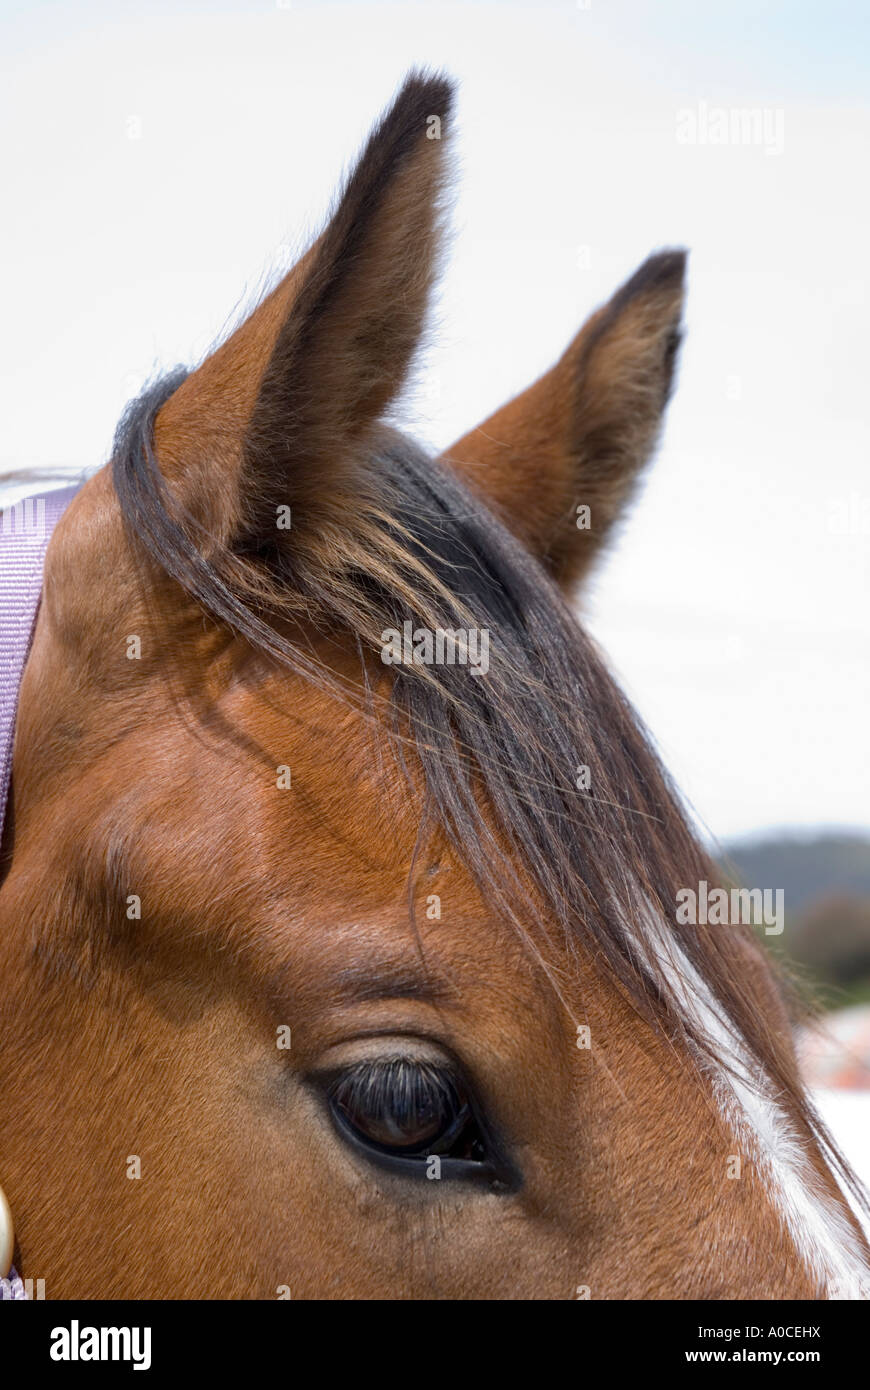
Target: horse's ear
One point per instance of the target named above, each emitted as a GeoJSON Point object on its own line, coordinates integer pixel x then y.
{"type": "Point", "coordinates": [272, 419]}
{"type": "Point", "coordinates": [579, 437]}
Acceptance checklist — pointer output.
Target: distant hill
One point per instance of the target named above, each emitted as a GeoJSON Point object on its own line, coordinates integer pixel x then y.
{"type": "Point", "coordinates": [826, 883]}
{"type": "Point", "coordinates": [824, 866]}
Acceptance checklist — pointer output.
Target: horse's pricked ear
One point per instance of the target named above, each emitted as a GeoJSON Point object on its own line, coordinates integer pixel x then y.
{"type": "Point", "coordinates": [343, 352]}
{"type": "Point", "coordinates": [271, 418]}
{"type": "Point", "coordinates": [579, 437]}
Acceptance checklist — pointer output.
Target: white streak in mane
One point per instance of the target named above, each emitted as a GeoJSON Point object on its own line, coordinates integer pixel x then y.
{"type": "Point", "coordinates": [824, 1239]}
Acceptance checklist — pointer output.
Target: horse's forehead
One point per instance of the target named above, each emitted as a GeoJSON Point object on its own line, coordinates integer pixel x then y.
{"type": "Point", "coordinates": [306, 877]}
{"type": "Point", "coordinates": [308, 804]}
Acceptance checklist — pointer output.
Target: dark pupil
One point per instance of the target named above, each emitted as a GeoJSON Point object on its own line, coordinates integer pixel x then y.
{"type": "Point", "coordinates": [401, 1105]}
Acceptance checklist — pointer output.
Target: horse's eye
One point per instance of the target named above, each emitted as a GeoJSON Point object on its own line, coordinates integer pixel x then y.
{"type": "Point", "coordinates": [407, 1109]}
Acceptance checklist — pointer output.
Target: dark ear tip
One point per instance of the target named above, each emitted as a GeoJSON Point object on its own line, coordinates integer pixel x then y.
{"type": "Point", "coordinates": [428, 93]}
{"type": "Point", "coordinates": [667, 267]}
{"type": "Point", "coordinates": [662, 273]}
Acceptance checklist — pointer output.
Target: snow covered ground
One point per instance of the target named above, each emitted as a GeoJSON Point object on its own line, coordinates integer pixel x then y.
{"type": "Point", "coordinates": [847, 1114]}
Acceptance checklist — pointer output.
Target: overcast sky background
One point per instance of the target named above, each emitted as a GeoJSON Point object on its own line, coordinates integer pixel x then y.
{"type": "Point", "coordinates": [160, 160]}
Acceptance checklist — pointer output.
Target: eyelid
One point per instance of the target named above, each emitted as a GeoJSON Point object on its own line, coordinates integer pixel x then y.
{"type": "Point", "coordinates": [381, 1044]}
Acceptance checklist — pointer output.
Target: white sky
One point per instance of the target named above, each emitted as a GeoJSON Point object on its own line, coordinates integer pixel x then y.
{"type": "Point", "coordinates": [733, 611]}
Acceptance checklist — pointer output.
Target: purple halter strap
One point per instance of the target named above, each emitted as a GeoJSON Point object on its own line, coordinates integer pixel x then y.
{"type": "Point", "coordinates": [25, 530]}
